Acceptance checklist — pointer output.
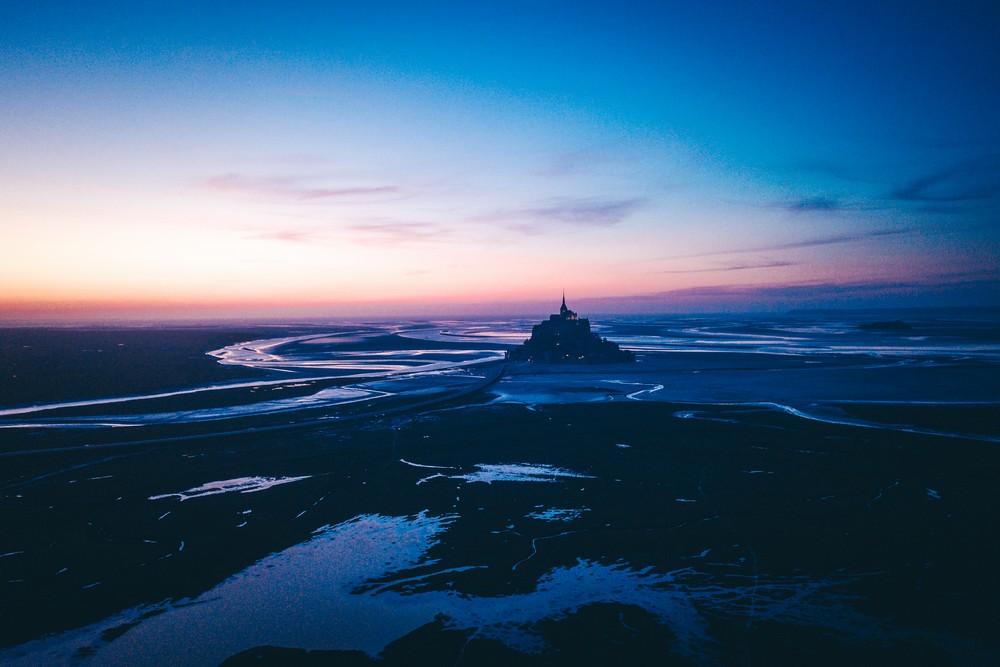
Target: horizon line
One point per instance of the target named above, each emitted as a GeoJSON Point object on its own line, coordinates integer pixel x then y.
{"type": "Point", "coordinates": [316, 320]}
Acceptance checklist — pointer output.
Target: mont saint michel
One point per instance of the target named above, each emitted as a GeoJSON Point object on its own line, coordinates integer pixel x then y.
{"type": "Point", "coordinates": [566, 338]}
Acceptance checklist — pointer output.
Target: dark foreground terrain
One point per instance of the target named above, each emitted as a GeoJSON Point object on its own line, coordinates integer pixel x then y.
{"type": "Point", "coordinates": [535, 516]}
{"type": "Point", "coordinates": [734, 538]}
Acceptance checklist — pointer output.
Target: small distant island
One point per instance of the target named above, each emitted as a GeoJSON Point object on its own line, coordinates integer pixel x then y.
{"type": "Point", "coordinates": [566, 339]}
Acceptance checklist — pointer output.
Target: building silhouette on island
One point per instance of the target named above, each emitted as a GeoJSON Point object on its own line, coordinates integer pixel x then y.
{"type": "Point", "coordinates": [565, 338]}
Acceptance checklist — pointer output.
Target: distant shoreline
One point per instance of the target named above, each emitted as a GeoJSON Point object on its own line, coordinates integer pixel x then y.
{"type": "Point", "coordinates": [207, 323]}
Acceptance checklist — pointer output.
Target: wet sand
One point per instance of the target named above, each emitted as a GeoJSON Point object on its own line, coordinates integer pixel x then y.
{"type": "Point", "coordinates": [548, 516]}
{"type": "Point", "coordinates": [791, 540]}
{"type": "Point", "coordinates": [55, 364]}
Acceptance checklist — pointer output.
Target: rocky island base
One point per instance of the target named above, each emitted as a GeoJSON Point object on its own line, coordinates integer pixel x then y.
{"type": "Point", "coordinates": [565, 338]}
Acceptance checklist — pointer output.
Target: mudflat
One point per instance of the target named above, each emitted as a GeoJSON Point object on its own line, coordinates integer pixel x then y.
{"type": "Point", "coordinates": [516, 514]}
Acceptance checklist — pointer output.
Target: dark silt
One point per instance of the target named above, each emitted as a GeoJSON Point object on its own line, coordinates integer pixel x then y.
{"type": "Point", "coordinates": [780, 490]}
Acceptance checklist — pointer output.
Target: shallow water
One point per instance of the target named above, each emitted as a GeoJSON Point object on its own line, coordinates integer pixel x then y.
{"type": "Point", "coordinates": [764, 488]}
{"type": "Point", "coordinates": [792, 364]}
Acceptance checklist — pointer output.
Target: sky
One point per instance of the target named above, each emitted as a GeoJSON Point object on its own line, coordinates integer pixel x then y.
{"type": "Point", "coordinates": [255, 159]}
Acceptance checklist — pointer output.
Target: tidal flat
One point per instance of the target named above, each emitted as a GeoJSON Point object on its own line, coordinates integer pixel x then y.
{"type": "Point", "coordinates": [789, 490]}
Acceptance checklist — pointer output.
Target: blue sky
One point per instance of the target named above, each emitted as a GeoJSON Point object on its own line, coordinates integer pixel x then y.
{"type": "Point", "coordinates": [341, 158]}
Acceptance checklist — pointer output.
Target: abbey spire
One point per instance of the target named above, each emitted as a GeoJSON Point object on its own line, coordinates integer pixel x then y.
{"type": "Point", "coordinates": [566, 338]}
{"type": "Point", "coordinates": [565, 312]}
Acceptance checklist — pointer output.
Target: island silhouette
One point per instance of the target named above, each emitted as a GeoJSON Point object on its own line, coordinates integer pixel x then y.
{"type": "Point", "coordinates": [565, 338]}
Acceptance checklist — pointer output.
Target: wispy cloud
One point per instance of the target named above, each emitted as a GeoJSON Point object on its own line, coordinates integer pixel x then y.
{"type": "Point", "coordinates": [975, 286]}
{"type": "Point", "coordinates": [291, 187]}
{"type": "Point", "coordinates": [973, 289]}
{"type": "Point", "coordinates": [823, 204]}
{"type": "Point", "coordinates": [811, 204]}
{"type": "Point", "coordinates": [733, 267]}
{"type": "Point", "coordinates": [289, 235]}
{"type": "Point", "coordinates": [396, 232]}
{"type": "Point", "coordinates": [969, 181]}
{"type": "Point", "coordinates": [795, 245]}
{"type": "Point", "coordinates": [367, 232]}
{"type": "Point", "coordinates": [582, 212]}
